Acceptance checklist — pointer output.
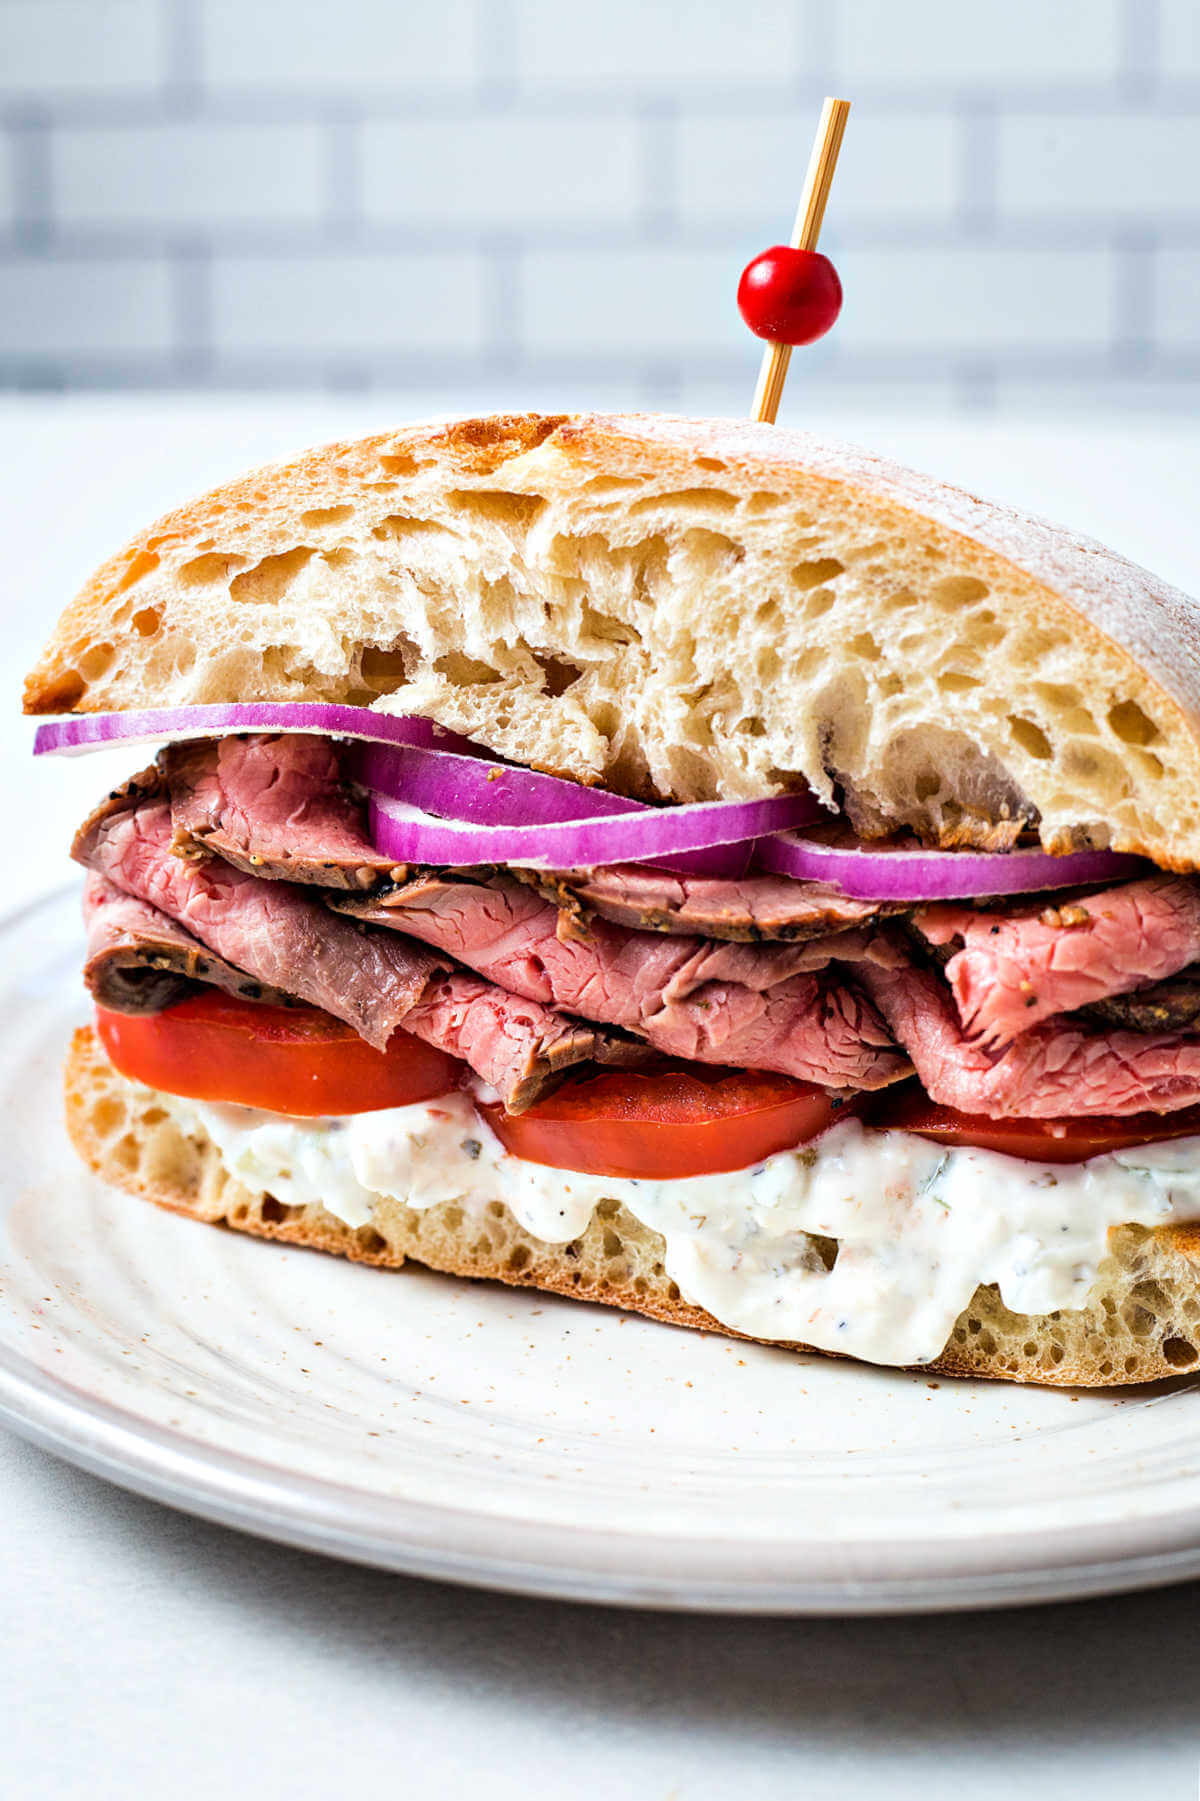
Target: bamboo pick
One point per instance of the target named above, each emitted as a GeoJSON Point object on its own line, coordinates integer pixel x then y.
{"type": "Point", "coordinates": [821, 164]}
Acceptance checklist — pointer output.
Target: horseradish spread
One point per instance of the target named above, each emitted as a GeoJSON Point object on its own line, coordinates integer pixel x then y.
{"type": "Point", "coordinates": [918, 1226]}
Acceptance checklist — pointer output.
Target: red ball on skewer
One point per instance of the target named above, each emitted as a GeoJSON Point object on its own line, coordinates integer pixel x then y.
{"type": "Point", "coordinates": [789, 296]}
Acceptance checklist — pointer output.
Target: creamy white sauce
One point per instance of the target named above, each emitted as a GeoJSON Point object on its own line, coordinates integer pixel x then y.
{"type": "Point", "coordinates": [918, 1226]}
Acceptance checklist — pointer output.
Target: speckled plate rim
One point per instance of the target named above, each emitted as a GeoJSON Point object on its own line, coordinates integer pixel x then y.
{"type": "Point", "coordinates": [580, 1563]}
{"type": "Point", "coordinates": [583, 1562]}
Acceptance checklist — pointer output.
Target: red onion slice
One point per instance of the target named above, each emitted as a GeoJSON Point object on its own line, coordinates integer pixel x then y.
{"type": "Point", "coordinates": [709, 838]}
{"type": "Point", "coordinates": [484, 793]}
{"type": "Point", "coordinates": [465, 788]}
{"type": "Point", "coordinates": [502, 811]}
{"type": "Point", "coordinates": [721, 832]}
{"type": "Point", "coordinates": [82, 732]}
{"type": "Point", "coordinates": [496, 794]}
{"type": "Point", "coordinates": [869, 872]}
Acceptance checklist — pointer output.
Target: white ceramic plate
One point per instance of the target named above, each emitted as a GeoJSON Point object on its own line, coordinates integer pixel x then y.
{"type": "Point", "coordinates": [509, 1439]}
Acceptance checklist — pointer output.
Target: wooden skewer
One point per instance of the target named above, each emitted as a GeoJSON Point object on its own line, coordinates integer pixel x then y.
{"type": "Point", "coordinates": [821, 164]}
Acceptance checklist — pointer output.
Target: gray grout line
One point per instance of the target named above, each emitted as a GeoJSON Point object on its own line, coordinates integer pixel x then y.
{"type": "Point", "coordinates": [502, 307]}
{"type": "Point", "coordinates": [344, 378]}
{"type": "Point", "coordinates": [263, 238]}
{"type": "Point", "coordinates": [184, 92]}
{"type": "Point", "coordinates": [974, 384]}
{"type": "Point", "coordinates": [852, 373]}
{"type": "Point", "coordinates": [191, 309]}
{"type": "Point", "coordinates": [975, 387]}
{"type": "Point", "coordinates": [1151, 297]}
{"type": "Point", "coordinates": [977, 148]}
{"type": "Point", "coordinates": [134, 107]}
{"type": "Point", "coordinates": [343, 179]}
{"type": "Point", "coordinates": [32, 184]}
{"type": "Point", "coordinates": [495, 27]}
{"type": "Point", "coordinates": [661, 385]}
{"type": "Point", "coordinates": [1134, 299]}
{"type": "Point", "coordinates": [657, 169]}
{"type": "Point", "coordinates": [1141, 49]}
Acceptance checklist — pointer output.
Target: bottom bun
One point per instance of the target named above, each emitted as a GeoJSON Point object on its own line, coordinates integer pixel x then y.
{"type": "Point", "coordinates": [1142, 1321]}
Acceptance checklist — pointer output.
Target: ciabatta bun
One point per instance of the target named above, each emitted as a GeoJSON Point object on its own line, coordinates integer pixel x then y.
{"type": "Point", "coordinates": [1142, 1320]}
{"type": "Point", "coordinates": [683, 608]}
{"type": "Point", "coordinates": [689, 610]}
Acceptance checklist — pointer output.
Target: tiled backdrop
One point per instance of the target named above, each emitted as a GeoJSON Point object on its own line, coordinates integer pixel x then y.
{"type": "Point", "coordinates": [552, 199]}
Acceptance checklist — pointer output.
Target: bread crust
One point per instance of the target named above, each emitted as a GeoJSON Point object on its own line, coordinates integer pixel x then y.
{"type": "Point", "coordinates": [1142, 1322]}
{"type": "Point", "coordinates": [679, 608]}
{"type": "Point", "coordinates": [471, 447]}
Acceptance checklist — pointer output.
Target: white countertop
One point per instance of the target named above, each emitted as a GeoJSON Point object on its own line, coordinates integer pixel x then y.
{"type": "Point", "coordinates": [146, 1654]}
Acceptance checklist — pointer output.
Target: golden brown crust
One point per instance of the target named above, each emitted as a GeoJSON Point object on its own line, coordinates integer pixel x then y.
{"type": "Point", "coordinates": [1142, 1322]}
{"type": "Point", "coordinates": [473, 446]}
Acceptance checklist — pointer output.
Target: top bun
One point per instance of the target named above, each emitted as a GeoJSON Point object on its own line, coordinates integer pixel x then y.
{"type": "Point", "coordinates": [677, 607]}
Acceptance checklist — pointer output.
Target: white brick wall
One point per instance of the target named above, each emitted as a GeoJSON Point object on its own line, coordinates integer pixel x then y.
{"type": "Point", "coordinates": [977, 298]}
{"type": "Point", "coordinates": [84, 309]}
{"type": "Point", "coordinates": [342, 306]}
{"type": "Point", "coordinates": [1177, 299]}
{"type": "Point", "coordinates": [188, 175]}
{"type": "Point", "coordinates": [352, 46]}
{"type": "Point", "coordinates": [553, 198]}
{"type": "Point", "coordinates": [665, 302]}
{"type": "Point", "coordinates": [1179, 30]}
{"type": "Point", "coordinates": [660, 44]}
{"type": "Point", "coordinates": [1026, 42]}
{"type": "Point", "coordinates": [739, 170]}
{"type": "Point", "coordinates": [8, 194]}
{"type": "Point", "coordinates": [516, 172]}
{"type": "Point", "coordinates": [81, 46]}
{"type": "Point", "coordinates": [1141, 166]}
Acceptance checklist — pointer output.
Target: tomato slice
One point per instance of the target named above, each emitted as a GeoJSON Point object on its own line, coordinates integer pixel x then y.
{"type": "Point", "coordinates": [1047, 1140]}
{"type": "Point", "coordinates": [298, 1060]}
{"type": "Point", "coordinates": [672, 1120]}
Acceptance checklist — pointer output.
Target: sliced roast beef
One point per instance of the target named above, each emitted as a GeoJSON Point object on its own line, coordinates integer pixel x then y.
{"type": "Point", "coordinates": [146, 785]}
{"type": "Point", "coordinates": [1022, 966]}
{"type": "Point", "coordinates": [1056, 1070]}
{"type": "Point", "coordinates": [1171, 1006]}
{"type": "Point", "coordinates": [756, 907]}
{"type": "Point", "coordinates": [276, 932]}
{"type": "Point", "coordinates": [473, 902]}
{"type": "Point", "coordinates": [521, 1048]}
{"type": "Point", "coordinates": [274, 806]}
{"type": "Point", "coordinates": [277, 806]}
{"type": "Point", "coordinates": [758, 1006]}
{"type": "Point", "coordinates": [140, 961]}
{"type": "Point", "coordinates": [282, 937]}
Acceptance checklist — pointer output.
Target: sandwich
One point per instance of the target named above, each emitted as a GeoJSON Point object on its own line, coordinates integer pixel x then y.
{"type": "Point", "coordinates": [683, 865]}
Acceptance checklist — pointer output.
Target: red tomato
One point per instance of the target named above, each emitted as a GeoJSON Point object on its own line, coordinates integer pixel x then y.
{"type": "Point", "coordinates": [1046, 1140]}
{"type": "Point", "coordinates": [676, 1120]}
{"type": "Point", "coordinates": [295, 1060]}
{"type": "Point", "coordinates": [789, 296]}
